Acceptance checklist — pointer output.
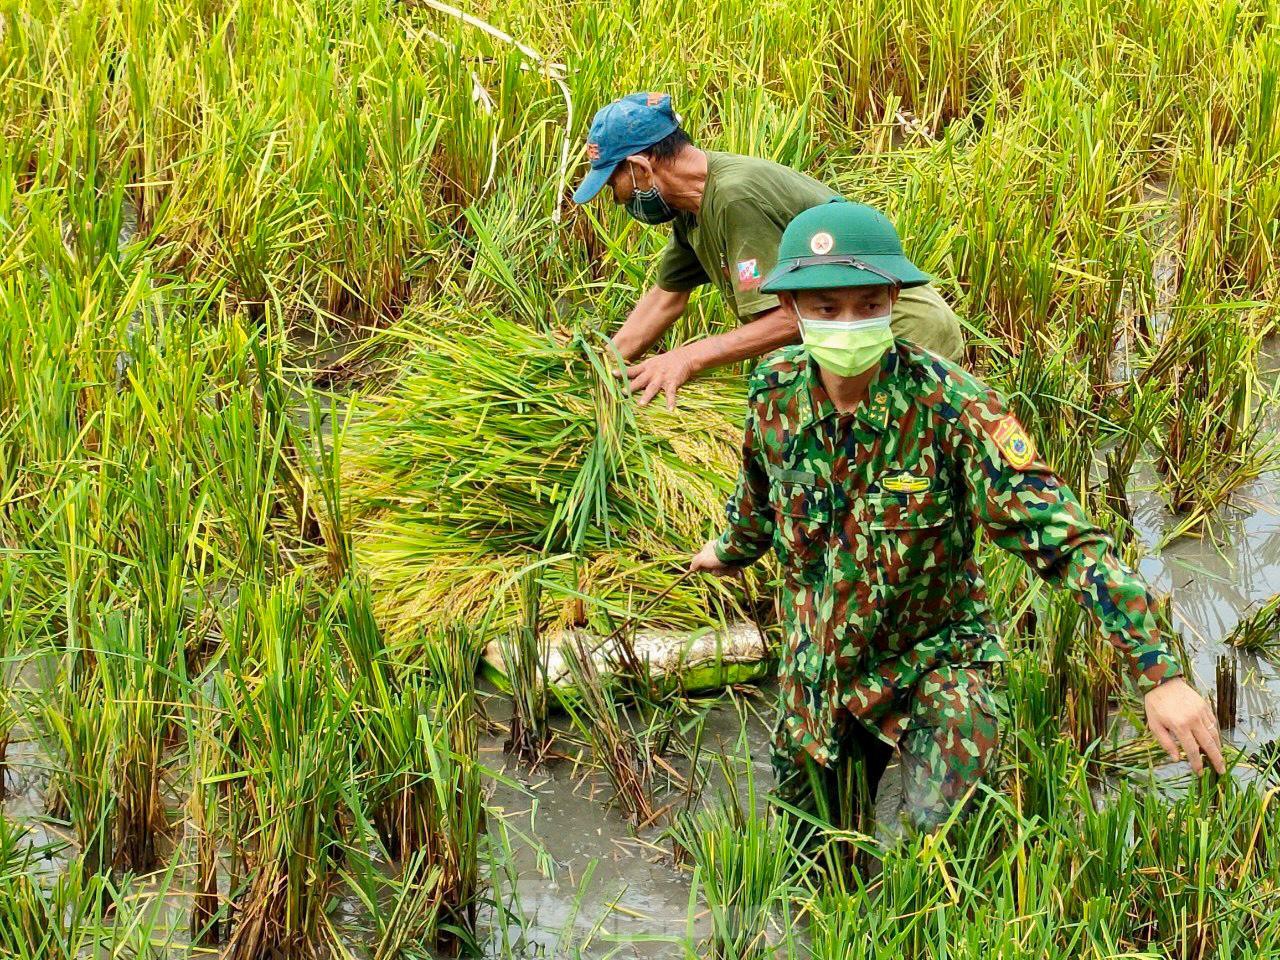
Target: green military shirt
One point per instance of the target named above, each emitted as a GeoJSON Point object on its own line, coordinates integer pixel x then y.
{"type": "Point", "coordinates": [733, 243]}
{"type": "Point", "coordinates": [874, 514]}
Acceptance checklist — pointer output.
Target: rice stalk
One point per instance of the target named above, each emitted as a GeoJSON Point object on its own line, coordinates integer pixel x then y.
{"type": "Point", "coordinates": [287, 751]}
{"type": "Point", "coordinates": [1258, 631]}
{"type": "Point", "coordinates": [747, 866]}
{"type": "Point", "coordinates": [598, 716]}
{"type": "Point", "coordinates": [524, 655]}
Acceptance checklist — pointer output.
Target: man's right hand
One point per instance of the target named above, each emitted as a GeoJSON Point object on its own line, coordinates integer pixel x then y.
{"type": "Point", "coordinates": [707, 560]}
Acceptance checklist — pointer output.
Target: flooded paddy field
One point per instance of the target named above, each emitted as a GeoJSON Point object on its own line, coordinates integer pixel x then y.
{"type": "Point", "coordinates": [309, 414]}
{"type": "Point", "coordinates": [583, 881]}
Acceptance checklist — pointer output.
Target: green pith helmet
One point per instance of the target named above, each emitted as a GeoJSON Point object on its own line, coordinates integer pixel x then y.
{"type": "Point", "coordinates": [841, 244]}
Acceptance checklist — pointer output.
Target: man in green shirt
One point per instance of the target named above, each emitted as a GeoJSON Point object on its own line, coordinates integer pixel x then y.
{"type": "Point", "coordinates": [869, 466]}
{"type": "Point", "coordinates": [727, 213]}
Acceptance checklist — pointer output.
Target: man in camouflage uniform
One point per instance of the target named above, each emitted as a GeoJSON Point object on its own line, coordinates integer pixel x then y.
{"type": "Point", "coordinates": [869, 464]}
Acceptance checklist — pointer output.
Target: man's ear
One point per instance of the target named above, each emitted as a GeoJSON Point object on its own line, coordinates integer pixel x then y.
{"type": "Point", "coordinates": [788, 303]}
{"type": "Point", "coordinates": [893, 295]}
{"type": "Point", "coordinates": [643, 166]}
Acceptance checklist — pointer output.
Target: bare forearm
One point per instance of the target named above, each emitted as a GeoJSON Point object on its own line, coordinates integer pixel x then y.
{"type": "Point", "coordinates": [668, 372]}
{"type": "Point", "coordinates": [652, 316]}
{"type": "Point", "coordinates": [766, 333]}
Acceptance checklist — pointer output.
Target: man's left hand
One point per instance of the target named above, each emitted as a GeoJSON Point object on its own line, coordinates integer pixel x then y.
{"type": "Point", "coordinates": [1180, 718]}
{"type": "Point", "coordinates": [666, 373]}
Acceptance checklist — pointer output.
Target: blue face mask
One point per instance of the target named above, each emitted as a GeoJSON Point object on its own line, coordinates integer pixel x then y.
{"type": "Point", "coordinates": [648, 206]}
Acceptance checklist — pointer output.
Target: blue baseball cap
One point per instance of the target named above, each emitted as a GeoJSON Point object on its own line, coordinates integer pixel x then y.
{"type": "Point", "coordinates": [623, 128]}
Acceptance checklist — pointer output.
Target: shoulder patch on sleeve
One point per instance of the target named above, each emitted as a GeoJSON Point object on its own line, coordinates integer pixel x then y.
{"type": "Point", "coordinates": [749, 274]}
{"type": "Point", "coordinates": [1011, 439]}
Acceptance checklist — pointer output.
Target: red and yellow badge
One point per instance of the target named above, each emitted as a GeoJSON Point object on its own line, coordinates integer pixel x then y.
{"type": "Point", "coordinates": [1013, 441]}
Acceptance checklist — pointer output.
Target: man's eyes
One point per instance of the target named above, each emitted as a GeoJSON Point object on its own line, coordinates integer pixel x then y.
{"type": "Point", "coordinates": [824, 310]}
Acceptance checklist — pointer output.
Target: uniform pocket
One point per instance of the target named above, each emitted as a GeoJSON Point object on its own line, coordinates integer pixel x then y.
{"type": "Point", "coordinates": [911, 534]}
{"type": "Point", "coordinates": [963, 697]}
{"type": "Point", "coordinates": [910, 511]}
{"type": "Point", "coordinates": [802, 521]}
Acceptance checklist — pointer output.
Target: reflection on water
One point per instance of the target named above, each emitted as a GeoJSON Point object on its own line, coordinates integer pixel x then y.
{"type": "Point", "coordinates": [1215, 580]}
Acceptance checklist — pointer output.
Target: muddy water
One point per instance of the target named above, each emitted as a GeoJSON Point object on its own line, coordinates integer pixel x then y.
{"type": "Point", "coordinates": [612, 888]}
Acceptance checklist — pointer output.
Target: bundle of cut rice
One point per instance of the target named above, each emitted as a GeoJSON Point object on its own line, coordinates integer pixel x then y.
{"type": "Point", "coordinates": [504, 448]}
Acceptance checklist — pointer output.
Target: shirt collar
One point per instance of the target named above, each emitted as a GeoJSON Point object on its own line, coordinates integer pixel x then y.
{"type": "Point", "coordinates": [875, 413]}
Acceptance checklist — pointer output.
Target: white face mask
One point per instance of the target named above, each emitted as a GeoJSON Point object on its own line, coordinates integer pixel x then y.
{"type": "Point", "coordinates": [847, 347]}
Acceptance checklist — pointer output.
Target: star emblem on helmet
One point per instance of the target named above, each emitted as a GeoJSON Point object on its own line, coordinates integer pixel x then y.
{"type": "Point", "coordinates": [821, 242]}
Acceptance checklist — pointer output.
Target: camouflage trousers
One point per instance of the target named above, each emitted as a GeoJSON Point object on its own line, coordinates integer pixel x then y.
{"type": "Point", "coordinates": [946, 748]}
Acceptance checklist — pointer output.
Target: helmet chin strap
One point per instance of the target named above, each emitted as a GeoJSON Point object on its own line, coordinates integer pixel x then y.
{"type": "Point", "coordinates": [799, 263]}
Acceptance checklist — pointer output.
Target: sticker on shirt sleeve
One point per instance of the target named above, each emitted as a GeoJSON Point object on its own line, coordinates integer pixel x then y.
{"type": "Point", "coordinates": [748, 274]}
{"type": "Point", "coordinates": [1013, 442]}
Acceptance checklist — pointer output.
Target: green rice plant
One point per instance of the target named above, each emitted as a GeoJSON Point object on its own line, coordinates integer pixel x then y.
{"type": "Point", "coordinates": [596, 712]}
{"type": "Point", "coordinates": [747, 865]}
{"type": "Point", "coordinates": [405, 910]}
{"type": "Point", "coordinates": [243, 459]}
{"type": "Point", "coordinates": [524, 653]}
{"type": "Point", "coordinates": [52, 924]}
{"type": "Point", "coordinates": [319, 466]}
{"type": "Point", "coordinates": [288, 762]}
{"type": "Point", "coordinates": [20, 628]}
{"type": "Point", "coordinates": [1259, 630]}
{"type": "Point", "coordinates": [73, 914]}
{"type": "Point", "coordinates": [142, 667]}
{"type": "Point", "coordinates": [371, 175]}
{"type": "Point", "coordinates": [430, 818]}
{"type": "Point", "coordinates": [206, 918]}
{"type": "Point", "coordinates": [399, 798]}
{"type": "Point", "coordinates": [1228, 205]}
{"type": "Point", "coordinates": [1211, 438]}
{"type": "Point", "coordinates": [76, 725]}
{"type": "Point", "coordinates": [416, 745]}
{"type": "Point", "coordinates": [1010, 877]}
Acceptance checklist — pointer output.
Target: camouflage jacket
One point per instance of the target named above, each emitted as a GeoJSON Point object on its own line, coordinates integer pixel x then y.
{"type": "Point", "coordinates": [874, 514]}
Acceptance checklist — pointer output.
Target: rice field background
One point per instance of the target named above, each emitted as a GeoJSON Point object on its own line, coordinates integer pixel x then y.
{"type": "Point", "coordinates": [305, 399]}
